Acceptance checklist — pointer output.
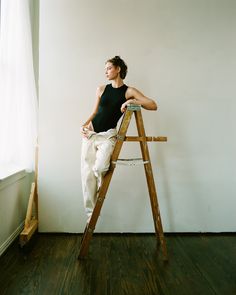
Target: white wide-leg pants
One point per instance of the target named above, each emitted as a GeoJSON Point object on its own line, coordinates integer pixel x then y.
{"type": "Point", "coordinates": [95, 161]}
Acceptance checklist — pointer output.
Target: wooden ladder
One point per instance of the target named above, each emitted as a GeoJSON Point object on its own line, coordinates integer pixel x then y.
{"type": "Point", "coordinates": [121, 137]}
{"type": "Point", "coordinates": [31, 219]}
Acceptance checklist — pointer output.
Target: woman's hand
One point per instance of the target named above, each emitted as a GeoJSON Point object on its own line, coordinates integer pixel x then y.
{"type": "Point", "coordinates": [84, 130]}
{"type": "Point", "coordinates": [124, 105]}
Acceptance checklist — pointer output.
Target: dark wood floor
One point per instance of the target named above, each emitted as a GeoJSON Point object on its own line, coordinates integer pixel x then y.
{"type": "Point", "coordinates": [126, 264]}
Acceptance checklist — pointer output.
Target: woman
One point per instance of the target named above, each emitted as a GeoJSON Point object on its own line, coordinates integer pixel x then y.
{"type": "Point", "coordinates": [99, 131]}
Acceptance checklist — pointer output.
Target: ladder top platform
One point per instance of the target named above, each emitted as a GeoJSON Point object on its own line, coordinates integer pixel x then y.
{"type": "Point", "coordinates": [133, 107]}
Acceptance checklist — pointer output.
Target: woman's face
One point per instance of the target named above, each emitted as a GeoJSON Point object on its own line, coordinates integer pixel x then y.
{"type": "Point", "coordinates": [111, 71]}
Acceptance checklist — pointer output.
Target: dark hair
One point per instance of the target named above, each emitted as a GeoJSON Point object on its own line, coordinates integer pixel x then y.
{"type": "Point", "coordinates": [118, 62]}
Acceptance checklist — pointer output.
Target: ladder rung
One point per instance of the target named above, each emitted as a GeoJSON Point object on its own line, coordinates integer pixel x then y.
{"type": "Point", "coordinates": [130, 162]}
{"type": "Point", "coordinates": [147, 138]}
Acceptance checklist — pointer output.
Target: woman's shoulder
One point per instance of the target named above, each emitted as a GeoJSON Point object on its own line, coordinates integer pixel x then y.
{"type": "Point", "coordinates": [130, 88]}
{"type": "Point", "coordinates": [100, 90]}
{"type": "Point", "coordinates": [130, 91]}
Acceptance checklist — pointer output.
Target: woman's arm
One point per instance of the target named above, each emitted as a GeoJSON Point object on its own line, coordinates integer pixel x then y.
{"type": "Point", "coordinates": [134, 96]}
{"type": "Point", "coordinates": [99, 92]}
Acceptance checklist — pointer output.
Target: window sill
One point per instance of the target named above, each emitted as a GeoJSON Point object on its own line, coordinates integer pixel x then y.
{"type": "Point", "coordinates": [12, 177]}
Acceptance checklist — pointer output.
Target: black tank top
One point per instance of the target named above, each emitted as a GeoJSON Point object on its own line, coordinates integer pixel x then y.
{"type": "Point", "coordinates": [109, 111]}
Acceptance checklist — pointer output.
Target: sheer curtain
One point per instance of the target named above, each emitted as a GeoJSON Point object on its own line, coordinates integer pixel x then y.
{"type": "Point", "coordinates": [18, 99]}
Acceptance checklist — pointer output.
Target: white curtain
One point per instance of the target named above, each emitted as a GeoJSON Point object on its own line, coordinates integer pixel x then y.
{"type": "Point", "coordinates": [18, 99]}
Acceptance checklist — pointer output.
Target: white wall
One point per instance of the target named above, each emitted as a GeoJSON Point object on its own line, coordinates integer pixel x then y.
{"type": "Point", "coordinates": [182, 53]}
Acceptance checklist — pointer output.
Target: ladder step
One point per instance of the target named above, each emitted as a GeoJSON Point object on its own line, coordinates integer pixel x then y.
{"type": "Point", "coordinates": [130, 162]}
{"type": "Point", "coordinates": [146, 138]}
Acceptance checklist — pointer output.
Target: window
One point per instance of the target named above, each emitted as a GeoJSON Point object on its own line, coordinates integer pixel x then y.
{"type": "Point", "coordinates": [18, 100]}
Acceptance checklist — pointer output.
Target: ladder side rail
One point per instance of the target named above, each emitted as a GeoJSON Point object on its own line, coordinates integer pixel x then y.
{"type": "Point", "coordinates": [30, 206]}
{"type": "Point", "coordinates": [88, 233]}
{"type": "Point", "coordinates": [151, 183]}
{"type": "Point", "coordinates": [90, 227]}
{"type": "Point", "coordinates": [36, 181]}
{"type": "Point", "coordinates": [147, 169]}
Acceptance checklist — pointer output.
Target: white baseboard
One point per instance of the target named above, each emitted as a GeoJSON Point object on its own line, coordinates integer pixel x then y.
{"type": "Point", "coordinates": [11, 239]}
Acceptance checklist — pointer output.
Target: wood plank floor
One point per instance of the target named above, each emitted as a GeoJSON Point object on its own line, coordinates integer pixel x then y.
{"type": "Point", "coordinates": [125, 264]}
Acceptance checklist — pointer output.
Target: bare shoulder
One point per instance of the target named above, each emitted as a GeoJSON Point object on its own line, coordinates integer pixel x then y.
{"type": "Point", "coordinates": [131, 89]}
{"type": "Point", "coordinates": [132, 92]}
{"type": "Point", "coordinates": [100, 90]}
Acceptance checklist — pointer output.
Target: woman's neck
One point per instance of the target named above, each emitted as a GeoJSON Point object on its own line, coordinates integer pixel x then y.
{"type": "Point", "coordinates": [116, 83]}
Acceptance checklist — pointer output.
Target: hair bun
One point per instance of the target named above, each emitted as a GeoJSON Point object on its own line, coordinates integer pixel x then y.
{"type": "Point", "coordinates": [118, 62]}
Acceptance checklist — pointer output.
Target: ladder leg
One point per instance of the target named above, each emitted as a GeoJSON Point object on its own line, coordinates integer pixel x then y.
{"type": "Point", "coordinates": [90, 227]}
{"type": "Point", "coordinates": [151, 184]}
